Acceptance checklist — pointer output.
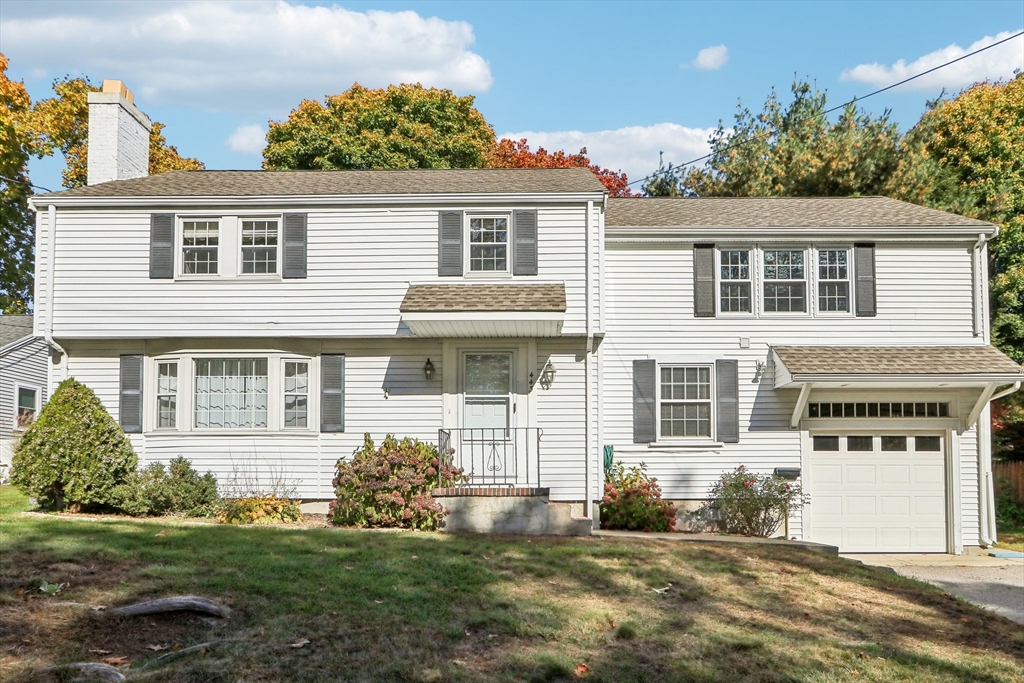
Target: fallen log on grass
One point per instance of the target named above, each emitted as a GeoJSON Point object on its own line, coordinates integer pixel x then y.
{"type": "Point", "coordinates": [182, 603]}
{"type": "Point", "coordinates": [91, 669]}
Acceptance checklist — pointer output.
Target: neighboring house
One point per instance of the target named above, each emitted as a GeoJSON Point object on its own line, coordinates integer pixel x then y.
{"type": "Point", "coordinates": [524, 320]}
{"type": "Point", "coordinates": [23, 382]}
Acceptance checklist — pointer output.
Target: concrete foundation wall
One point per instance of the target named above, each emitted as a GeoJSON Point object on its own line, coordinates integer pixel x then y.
{"type": "Point", "coordinates": [512, 515]}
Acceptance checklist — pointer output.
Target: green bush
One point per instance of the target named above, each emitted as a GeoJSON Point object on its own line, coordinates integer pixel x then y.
{"type": "Point", "coordinates": [1009, 513]}
{"type": "Point", "coordinates": [751, 504]}
{"type": "Point", "coordinates": [391, 486]}
{"type": "Point", "coordinates": [259, 509]}
{"type": "Point", "coordinates": [632, 500]}
{"type": "Point", "coordinates": [174, 490]}
{"type": "Point", "coordinates": [73, 456]}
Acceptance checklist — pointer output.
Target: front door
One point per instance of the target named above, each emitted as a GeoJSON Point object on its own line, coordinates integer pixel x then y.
{"type": "Point", "coordinates": [488, 417]}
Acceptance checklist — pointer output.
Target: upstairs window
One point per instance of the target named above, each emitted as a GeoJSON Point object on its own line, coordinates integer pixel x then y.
{"type": "Point", "coordinates": [833, 280]}
{"type": "Point", "coordinates": [734, 281]}
{"type": "Point", "coordinates": [259, 246]}
{"type": "Point", "coordinates": [785, 281]}
{"type": "Point", "coordinates": [199, 244]}
{"type": "Point", "coordinates": [488, 244]}
{"type": "Point", "coordinates": [685, 401]}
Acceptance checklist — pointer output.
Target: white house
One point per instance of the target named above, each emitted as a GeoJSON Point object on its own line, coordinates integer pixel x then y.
{"type": "Point", "coordinates": [527, 321]}
{"type": "Point", "coordinates": [23, 380]}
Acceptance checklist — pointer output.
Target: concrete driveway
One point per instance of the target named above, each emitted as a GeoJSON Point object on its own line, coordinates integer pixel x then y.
{"type": "Point", "coordinates": [994, 583]}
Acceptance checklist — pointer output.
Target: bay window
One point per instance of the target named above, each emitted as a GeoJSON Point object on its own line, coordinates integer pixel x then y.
{"type": "Point", "coordinates": [231, 393]}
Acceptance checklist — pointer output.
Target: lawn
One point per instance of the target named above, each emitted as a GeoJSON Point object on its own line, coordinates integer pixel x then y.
{"type": "Point", "coordinates": [1011, 539]}
{"type": "Point", "coordinates": [322, 604]}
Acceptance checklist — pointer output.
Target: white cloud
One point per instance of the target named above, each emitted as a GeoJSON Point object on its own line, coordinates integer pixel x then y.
{"type": "Point", "coordinates": [264, 55]}
{"type": "Point", "coordinates": [250, 139]}
{"type": "Point", "coordinates": [633, 149]}
{"type": "Point", "coordinates": [998, 62]}
{"type": "Point", "coordinates": [710, 58]}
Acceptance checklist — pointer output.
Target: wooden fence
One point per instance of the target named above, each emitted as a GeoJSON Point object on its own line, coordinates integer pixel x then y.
{"type": "Point", "coordinates": [1010, 474]}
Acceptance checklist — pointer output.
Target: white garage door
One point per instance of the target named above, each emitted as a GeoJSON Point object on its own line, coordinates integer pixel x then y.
{"type": "Point", "coordinates": [878, 492]}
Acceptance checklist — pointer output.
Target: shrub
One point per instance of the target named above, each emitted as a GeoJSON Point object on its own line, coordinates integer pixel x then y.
{"type": "Point", "coordinates": [751, 504]}
{"type": "Point", "coordinates": [73, 455]}
{"type": "Point", "coordinates": [259, 509]}
{"type": "Point", "coordinates": [1009, 513]}
{"type": "Point", "coordinates": [390, 486]}
{"type": "Point", "coordinates": [632, 500]}
{"type": "Point", "coordinates": [174, 490]}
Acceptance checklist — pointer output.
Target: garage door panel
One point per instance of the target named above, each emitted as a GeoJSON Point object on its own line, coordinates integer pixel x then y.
{"type": "Point", "coordinates": [875, 501]}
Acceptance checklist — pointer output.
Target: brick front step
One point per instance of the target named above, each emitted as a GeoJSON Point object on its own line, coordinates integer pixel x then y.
{"type": "Point", "coordinates": [489, 492]}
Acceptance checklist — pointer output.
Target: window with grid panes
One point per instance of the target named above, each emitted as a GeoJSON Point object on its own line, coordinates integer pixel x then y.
{"type": "Point", "coordinates": [685, 401]}
{"type": "Point", "coordinates": [785, 286]}
{"type": "Point", "coordinates": [734, 281]}
{"type": "Point", "coordinates": [199, 243]}
{"type": "Point", "coordinates": [488, 244]}
{"type": "Point", "coordinates": [231, 393]}
{"type": "Point", "coordinates": [833, 280]}
{"type": "Point", "coordinates": [296, 394]}
{"type": "Point", "coordinates": [166, 395]}
{"type": "Point", "coordinates": [259, 246]}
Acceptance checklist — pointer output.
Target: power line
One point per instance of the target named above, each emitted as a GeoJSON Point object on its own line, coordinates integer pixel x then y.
{"type": "Point", "coordinates": [24, 182]}
{"type": "Point", "coordinates": [841, 106]}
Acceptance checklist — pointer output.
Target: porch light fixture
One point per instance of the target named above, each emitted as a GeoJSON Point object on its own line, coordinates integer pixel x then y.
{"type": "Point", "coordinates": [547, 375]}
{"type": "Point", "coordinates": [428, 370]}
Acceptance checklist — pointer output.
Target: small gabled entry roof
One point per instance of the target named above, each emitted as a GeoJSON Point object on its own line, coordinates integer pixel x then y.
{"type": "Point", "coordinates": [484, 310]}
{"type": "Point", "coordinates": [964, 365]}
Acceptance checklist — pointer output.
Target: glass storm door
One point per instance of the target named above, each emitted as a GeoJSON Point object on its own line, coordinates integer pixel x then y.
{"type": "Point", "coordinates": [487, 393]}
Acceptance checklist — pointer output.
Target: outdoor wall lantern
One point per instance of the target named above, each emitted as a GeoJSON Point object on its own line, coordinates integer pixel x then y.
{"type": "Point", "coordinates": [547, 375]}
{"type": "Point", "coordinates": [428, 370]}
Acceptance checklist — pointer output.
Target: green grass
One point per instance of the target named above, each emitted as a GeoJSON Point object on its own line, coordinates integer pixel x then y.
{"type": "Point", "coordinates": [1011, 539]}
{"type": "Point", "coordinates": [423, 607]}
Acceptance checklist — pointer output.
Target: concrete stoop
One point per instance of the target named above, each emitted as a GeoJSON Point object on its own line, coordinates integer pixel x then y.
{"type": "Point", "coordinates": [509, 511]}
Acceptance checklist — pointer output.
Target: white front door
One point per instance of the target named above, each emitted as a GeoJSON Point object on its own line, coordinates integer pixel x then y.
{"type": "Point", "coordinates": [488, 444]}
{"type": "Point", "coordinates": [878, 492]}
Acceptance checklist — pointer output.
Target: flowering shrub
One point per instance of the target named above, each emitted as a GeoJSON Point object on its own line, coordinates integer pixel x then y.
{"type": "Point", "coordinates": [259, 509]}
{"type": "Point", "coordinates": [390, 486]}
{"type": "Point", "coordinates": [632, 500]}
{"type": "Point", "coordinates": [751, 504]}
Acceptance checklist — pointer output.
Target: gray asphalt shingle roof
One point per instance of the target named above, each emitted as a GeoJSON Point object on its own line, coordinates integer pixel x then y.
{"type": "Point", "coordinates": [14, 327]}
{"type": "Point", "coordinates": [776, 212]}
{"type": "Point", "coordinates": [478, 298]}
{"type": "Point", "coordinates": [895, 360]}
{"type": "Point", "coordinates": [326, 183]}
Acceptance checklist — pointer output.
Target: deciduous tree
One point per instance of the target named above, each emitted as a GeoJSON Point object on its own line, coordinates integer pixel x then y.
{"type": "Point", "coordinates": [403, 126]}
{"type": "Point", "coordinates": [508, 153]}
{"type": "Point", "coordinates": [17, 228]}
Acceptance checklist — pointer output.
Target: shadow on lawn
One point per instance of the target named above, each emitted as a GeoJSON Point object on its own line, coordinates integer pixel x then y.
{"type": "Point", "coordinates": [404, 606]}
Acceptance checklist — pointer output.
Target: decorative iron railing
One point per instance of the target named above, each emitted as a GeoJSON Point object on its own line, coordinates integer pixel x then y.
{"type": "Point", "coordinates": [494, 457]}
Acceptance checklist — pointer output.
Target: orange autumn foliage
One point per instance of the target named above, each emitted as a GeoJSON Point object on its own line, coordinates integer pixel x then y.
{"type": "Point", "coordinates": [508, 153]}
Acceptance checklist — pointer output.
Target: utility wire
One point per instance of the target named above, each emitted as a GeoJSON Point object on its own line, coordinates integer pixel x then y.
{"type": "Point", "coordinates": [24, 182]}
{"type": "Point", "coordinates": [841, 106]}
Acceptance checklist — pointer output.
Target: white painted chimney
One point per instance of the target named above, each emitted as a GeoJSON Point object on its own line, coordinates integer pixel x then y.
{"type": "Point", "coordinates": [118, 135]}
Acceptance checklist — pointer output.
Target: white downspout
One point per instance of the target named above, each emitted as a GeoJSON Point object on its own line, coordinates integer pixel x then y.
{"type": "Point", "coordinates": [588, 497]}
{"type": "Point", "coordinates": [51, 248]}
{"type": "Point", "coordinates": [987, 493]}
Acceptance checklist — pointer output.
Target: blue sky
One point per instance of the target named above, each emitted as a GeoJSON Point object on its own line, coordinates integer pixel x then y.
{"type": "Point", "coordinates": [625, 79]}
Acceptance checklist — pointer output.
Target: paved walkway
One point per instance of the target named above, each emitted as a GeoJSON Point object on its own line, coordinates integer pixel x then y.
{"type": "Point", "coordinates": [994, 583]}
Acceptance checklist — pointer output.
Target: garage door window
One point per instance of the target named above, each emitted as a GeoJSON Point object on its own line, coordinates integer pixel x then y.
{"type": "Point", "coordinates": [894, 443]}
{"type": "Point", "coordinates": [927, 443]}
{"type": "Point", "coordinates": [860, 444]}
{"type": "Point", "coordinates": [826, 443]}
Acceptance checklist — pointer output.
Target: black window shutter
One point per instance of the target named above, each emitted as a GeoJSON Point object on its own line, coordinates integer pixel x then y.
{"type": "Point", "coordinates": [130, 410]}
{"type": "Point", "coordinates": [294, 256]}
{"type": "Point", "coordinates": [332, 392]}
{"type": "Point", "coordinates": [644, 408]}
{"type": "Point", "coordinates": [704, 280]}
{"type": "Point", "coordinates": [449, 244]}
{"type": "Point", "coordinates": [161, 246]}
{"type": "Point", "coordinates": [524, 248]}
{"type": "Point", "coordinates": [727, 387]}
{"type": "Point", "coordinates": [864, 269]}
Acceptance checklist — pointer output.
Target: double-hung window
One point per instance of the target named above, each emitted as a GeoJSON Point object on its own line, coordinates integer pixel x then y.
{"type": "Point", "coordinates": [833, 280]}
{"type": "Point", "coordinates": [785, 281]}
{"type": "Point", "coordinates": [735, 281]}
{"type": "Point", "coordinates": [200, 240]}
{"type": "Point", "coordinates": [259, 246]}
{"type": "Point", "coordinates": [167, 395]}
{"type": "Point", "coordinates": [488, 244]}
{"type": "Point", "coordinates": [27, 406]}
{"type": "Point", "coordinates": [685, 400]}
{"type": "Point", "coordinates": [231, 393]}
{"type": "Point", "coordinates": [296, 394]}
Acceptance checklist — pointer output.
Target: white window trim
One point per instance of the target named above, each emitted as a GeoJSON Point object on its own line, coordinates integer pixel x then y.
{"type": "Point", "coordinates": [467, 270]}
{"type": "Point", "coordinates": [276, 275]}
{"type": "Point", "coordinates": [815, 281]}
{"type": "Point", "coordinates": [763, 282]}
{"type": "Point", "coordinates": [18, 386]}
{"type": "Point", "coordinates": [177, 402]}
{"type": "Point", "coordinates": [752, 262]}
{"type": "Point", "coordinates": [684, 440]}
{"type": "Point", "coordinates": [179, 246]}
{"type": "Point", "coordinates": [185, 416]}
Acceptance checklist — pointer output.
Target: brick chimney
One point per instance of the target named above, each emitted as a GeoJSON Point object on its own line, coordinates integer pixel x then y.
{"type": "Point", "coordinates": [118, 135]}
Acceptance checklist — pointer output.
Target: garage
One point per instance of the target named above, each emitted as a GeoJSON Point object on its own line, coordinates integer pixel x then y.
{"type": "Point", "coordinates": [878, 492]}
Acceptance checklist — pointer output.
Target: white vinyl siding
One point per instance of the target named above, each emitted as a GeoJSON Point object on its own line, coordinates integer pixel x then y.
{"type": "Point", "coordinates": [25, 365]}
